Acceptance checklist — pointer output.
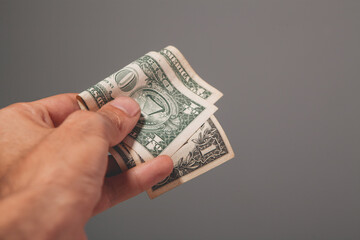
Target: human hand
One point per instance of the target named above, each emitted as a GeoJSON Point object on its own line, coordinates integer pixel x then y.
{"type": "Point", "coordinates": [53, 159]}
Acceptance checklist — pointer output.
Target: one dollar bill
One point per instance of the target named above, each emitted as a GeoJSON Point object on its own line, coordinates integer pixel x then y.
{"type": "Point", "coordinates": [170, 111]}
{"type": "Point", "coordinates": [176, 116]}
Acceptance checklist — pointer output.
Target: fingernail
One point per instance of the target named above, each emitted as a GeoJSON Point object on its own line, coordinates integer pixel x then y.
{"type": "Point", "coordinates": [127, 105]}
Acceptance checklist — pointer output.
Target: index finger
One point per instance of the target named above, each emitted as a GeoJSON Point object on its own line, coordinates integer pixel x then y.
{"type": "Point", "coordinates": [60, 106]}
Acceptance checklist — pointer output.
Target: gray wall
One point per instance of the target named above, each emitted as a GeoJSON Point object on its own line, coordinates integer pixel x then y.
{"type": "Point", "coordinates": [289, 71]}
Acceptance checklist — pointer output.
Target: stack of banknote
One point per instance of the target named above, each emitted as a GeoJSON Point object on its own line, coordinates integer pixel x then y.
{"type": "Point", "coordinates": [177, 108]}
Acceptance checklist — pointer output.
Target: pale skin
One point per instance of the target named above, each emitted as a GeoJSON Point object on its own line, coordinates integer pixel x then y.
{"type": "Point", "coordinates": [53, 162]}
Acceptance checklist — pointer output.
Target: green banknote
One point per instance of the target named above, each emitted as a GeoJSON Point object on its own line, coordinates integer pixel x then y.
{"type": "Point", "coordinates": [170, 111]}
{"type": "Point", "coordinates": [176, 106]}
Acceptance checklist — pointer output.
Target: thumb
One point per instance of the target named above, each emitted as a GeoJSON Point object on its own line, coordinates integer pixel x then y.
{"type": "Point", "coordinates": [111, 123]}
{"type": "Point", "coordinates": [122, 115]}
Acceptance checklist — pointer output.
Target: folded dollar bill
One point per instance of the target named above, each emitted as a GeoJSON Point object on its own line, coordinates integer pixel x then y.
{"type": "Point", "coordinates": [177, 108]}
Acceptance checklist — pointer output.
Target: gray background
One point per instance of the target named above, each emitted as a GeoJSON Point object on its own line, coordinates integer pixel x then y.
{"type": "Point", "coordinates": [289, 71]}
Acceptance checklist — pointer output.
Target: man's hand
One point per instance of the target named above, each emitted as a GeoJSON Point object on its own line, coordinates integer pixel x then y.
{"type": "Point", "coordinates": [53, 159]}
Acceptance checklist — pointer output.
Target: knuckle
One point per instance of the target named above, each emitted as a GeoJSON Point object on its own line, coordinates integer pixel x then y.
{"type": "Point", "coordinates": [80, 115]}
{"type": "Point", "coordinates": [88, 123]}
{"type": "Point", "coordinates": [102, 124]}
{"type": "Point", "coordinates": [32, 110]}
{"type": "Point", "coordinates": [113, 125]}
{"type": "Point", "coordinates": [21, 107]}
{"type": "Point", "coordinates": [115, 120]}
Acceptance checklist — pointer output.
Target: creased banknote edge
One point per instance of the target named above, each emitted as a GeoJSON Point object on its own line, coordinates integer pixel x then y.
{"type": "Point", "coordinates": [176, 82]}
{"type": "Point", "coordinates": [216, 93]}
{"type": "Point", "coordinates": [188, 177]}
{"type": "Point", "coordinates": [118, 159]}
{"type": "Point", "coordinates": [90, 104]}
{"type": "Point", "coordinates": [133, 154]}
{"type": "Point", "coordinates": [153, 194]}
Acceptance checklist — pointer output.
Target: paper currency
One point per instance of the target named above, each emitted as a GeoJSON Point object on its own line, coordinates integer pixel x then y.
{"type": "Point", "coordinates": [176, 116]}
{"type": "Point", "coordinates": [207, 148]}
{"type": "Point", "coordinates": [123, 157]}
{"type": "Point", "coordinates": [170, 112]}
